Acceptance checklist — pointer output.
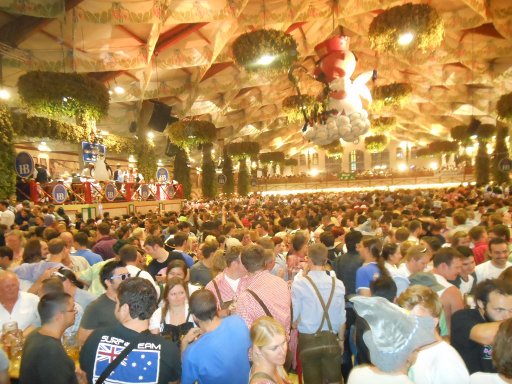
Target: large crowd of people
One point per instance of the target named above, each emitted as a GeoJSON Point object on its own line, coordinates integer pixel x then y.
{"type": "Point", "coordinates": [379, 286]}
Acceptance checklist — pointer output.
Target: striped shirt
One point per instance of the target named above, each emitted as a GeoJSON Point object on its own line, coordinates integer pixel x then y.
{"type": "Point", "coordinates": [226, 291]}
{"type": "Point", "coordinates": [274, 293]}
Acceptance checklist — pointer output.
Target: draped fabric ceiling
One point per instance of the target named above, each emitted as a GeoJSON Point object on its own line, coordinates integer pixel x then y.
{"type": "Point", "coordinates": [179, 52]}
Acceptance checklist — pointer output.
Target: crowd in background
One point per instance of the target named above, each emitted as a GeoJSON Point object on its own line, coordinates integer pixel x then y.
{"type": "Point", "coordinates": [403, 287]}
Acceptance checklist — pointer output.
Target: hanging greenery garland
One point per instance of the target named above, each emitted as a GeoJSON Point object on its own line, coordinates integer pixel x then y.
{"type": "Point", "coordinates": [209, 179]}
{"type": "Point", "coordinates": [500, 153]}
{"type": "Point", "coordinates": [291, 162]}
{"type": "Point", "coordinates": [64, 95]}
{"type": "Point", "coordinates": [295, 104]}
{"type": "Point", "coordinates": [7, 154]}
{"type": "Point", "coordinates": [37, 126]}
{"type": "Point", "coordinates": [504, 106]}
{"type": "Point", "coordinates": [391, 95]}
{"type": "Point", "coordinates": [190, 134]}
{"type": "Point", "coordinates": [376, 143]}
{"type": "Point", "coordinates": [146, 159]}
{"type": "Point", "coordinates": [461, 134]}
{"type": "Point", "coordinates": [424, 152]}
{"type": "Point", "coordinates": [182, 172]}
{"type": "Point", "coordinates": [382, 124]}
{"type": "Point", "coordinates": [227, 170]}
{"type": "Point", "coordinates": [485, 132]}
{"type": "Point", "coordinates": [271, 157]}
{"type": "Point", "coordinates": [442, 147]}
{"type": "Point", "coordinates": [243, 149]}
{"type": "Point", "coordinates": [421, 21]}
{"type": "Point", "coordinates": [334, 150]}
{"type": "Point", "coordinates": [243, 178]}
{"type": "Point", "coordinates": [278, 48]}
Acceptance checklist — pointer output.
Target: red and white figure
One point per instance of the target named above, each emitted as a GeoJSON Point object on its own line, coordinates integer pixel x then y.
{"type": "Point", "coordinates": [347, 120]}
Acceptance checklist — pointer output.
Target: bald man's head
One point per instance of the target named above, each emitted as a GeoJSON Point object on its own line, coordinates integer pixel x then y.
{"type": "Point", "coordinates": [9, 287]}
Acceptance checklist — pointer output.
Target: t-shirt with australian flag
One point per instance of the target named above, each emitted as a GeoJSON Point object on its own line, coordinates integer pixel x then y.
{"type": "Point", "coordinates": [153, 360]}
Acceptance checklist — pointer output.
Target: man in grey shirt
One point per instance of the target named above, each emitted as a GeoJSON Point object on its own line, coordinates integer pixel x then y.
{"type": "Point", "coordinates": [201, 272]}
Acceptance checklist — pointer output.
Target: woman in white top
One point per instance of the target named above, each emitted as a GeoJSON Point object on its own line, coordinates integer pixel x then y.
{"type": "Point", "coordinates": [392, 256]}
{"type": "Point", "coordinates": [438, 362]}
{"type": "Point", "coordinates": [173, 319]}
{"type": "Point", "coordinates": [501, 357]}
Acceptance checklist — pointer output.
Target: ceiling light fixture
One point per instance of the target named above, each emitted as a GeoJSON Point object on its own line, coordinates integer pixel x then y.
{"type": "Point", "coordinates": [151, 135]}
{"type": "Point", "coordinates": [5, 94]}
{"type": "Point", "coordinates": [405, 38]}
{"type": "Point", "coordinates": [266, 60]}
{"type": "Point", "coordinates": [119, 90]}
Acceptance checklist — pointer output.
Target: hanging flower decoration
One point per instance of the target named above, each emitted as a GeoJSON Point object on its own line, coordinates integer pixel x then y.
{"type": "Point", "coordinates": [190, 134]}
{"type": "Point", "coordinates": [64, 95]}
{"type": "Point", "coordinates": [376, 143]}
{"type": "Point", "coordinates": [391, 95]}
{"type": "Point", "coordinates": [266, 51]}
{"type": "Point", "coordinates": [272, 157]}
{"type": "Point", "coordinates": [291, 162]}
{"type": "Point", "coordinates": [442, 147]}
{"type": "Point", "coordinates": [382, 124]}
{"type": "Point", "coordinates": [504, 106]}
{"type": "Point", "coordinates": [406, 29]}
{"type": "Point", "coordinates": [243, 149]}
{"type": "Point", "coordinates": [295, 104]}
{"type": "Point", "coordinates": [334, 150]}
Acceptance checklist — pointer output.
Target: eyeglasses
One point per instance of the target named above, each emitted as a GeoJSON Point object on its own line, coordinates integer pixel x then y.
{"type": "Point", "coordinates": [123, 276]}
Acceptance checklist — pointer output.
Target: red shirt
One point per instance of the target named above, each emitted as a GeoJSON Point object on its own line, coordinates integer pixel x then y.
{"type": "Point", "coordinates": [480, 251]}
{"type": "Point", "coordinates": [274, 293]}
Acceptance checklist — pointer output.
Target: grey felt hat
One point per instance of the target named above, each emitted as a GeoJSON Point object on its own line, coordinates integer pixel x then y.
{"type": "Point", "coordinates": [393, 334]}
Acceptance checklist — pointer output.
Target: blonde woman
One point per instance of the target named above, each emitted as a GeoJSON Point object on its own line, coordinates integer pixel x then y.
{"type": "Point", "coordinates": [269, 348]}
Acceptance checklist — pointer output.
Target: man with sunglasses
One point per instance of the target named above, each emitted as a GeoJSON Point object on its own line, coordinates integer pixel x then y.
{"type": "Point", "coordinates": [101, 312]}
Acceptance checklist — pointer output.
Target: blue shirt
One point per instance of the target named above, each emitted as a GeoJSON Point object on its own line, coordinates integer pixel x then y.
{"type": "Point", "coordinates": [188, 259]}
{"type": "Point", "coordinates": [366, 274]}
{"type": "Point", "coordinates": [219, 356]}
{"type": "Point", "coordinates": [306, 305]}
{"type": "Point", "coordinates": [91, 257]}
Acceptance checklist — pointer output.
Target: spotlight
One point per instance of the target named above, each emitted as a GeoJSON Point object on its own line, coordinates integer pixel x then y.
{"type": "Point", "coordinates": [405, 38]}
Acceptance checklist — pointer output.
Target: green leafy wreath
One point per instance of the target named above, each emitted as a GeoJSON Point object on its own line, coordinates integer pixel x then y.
{"type": "Point", "coordinates": [421, 20]}
{"type": "Point", "coordinates": [334, 149]}
{"type": "Point", "coordinates": [294, 104]}
{"type": "Point", "coordinates": [243, 149]}
{"type": "Point", "coordinates": [60, 95]}
{"type": "Point", "coordinates": [504, 106]}
{"type": "Point", "coordinates": [391, 95]}
{"type": "Point", "coordinates": [190, 134]}
{"type": "Point", "coordinates": [443, 146]}
{"type": "Point", "coordinates": [376, 143]}
{"type": "Point", "coordinates": [383, 124]}
{"type": "Point", "coordinates": [249, 47]}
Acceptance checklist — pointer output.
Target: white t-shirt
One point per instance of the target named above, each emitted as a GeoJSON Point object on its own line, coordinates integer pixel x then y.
{"type": "Point", "coordinates": [155, 322]}
{"type": "Point", "coordinates": [439, 364]}
{"type": "Point", "coordinates": [487, 270]}
{"type": "Point", "coordinates": [7, 218]}
{"type": "Point", "coordinates": [485, 378]}
{"type": "Point", "coordinates": [465, 287]}
{"type": "Point", "coordinates": [364, 374]}
{"type": "Point", "coordinates": [24, 311]}
{"type": "Point", "coordinates": [133, 270]}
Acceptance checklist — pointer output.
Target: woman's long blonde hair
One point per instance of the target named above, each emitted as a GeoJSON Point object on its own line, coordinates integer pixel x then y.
{"type": "Point", "coordinates": [262, 331]}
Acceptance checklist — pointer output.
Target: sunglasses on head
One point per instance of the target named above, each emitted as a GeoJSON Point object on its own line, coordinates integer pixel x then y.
{"type": "Point", "coordinates": [123, 276]}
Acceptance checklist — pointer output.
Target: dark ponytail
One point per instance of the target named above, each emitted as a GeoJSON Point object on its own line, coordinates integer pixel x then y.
{"type": "Point", "coordinates": [374, 245]}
